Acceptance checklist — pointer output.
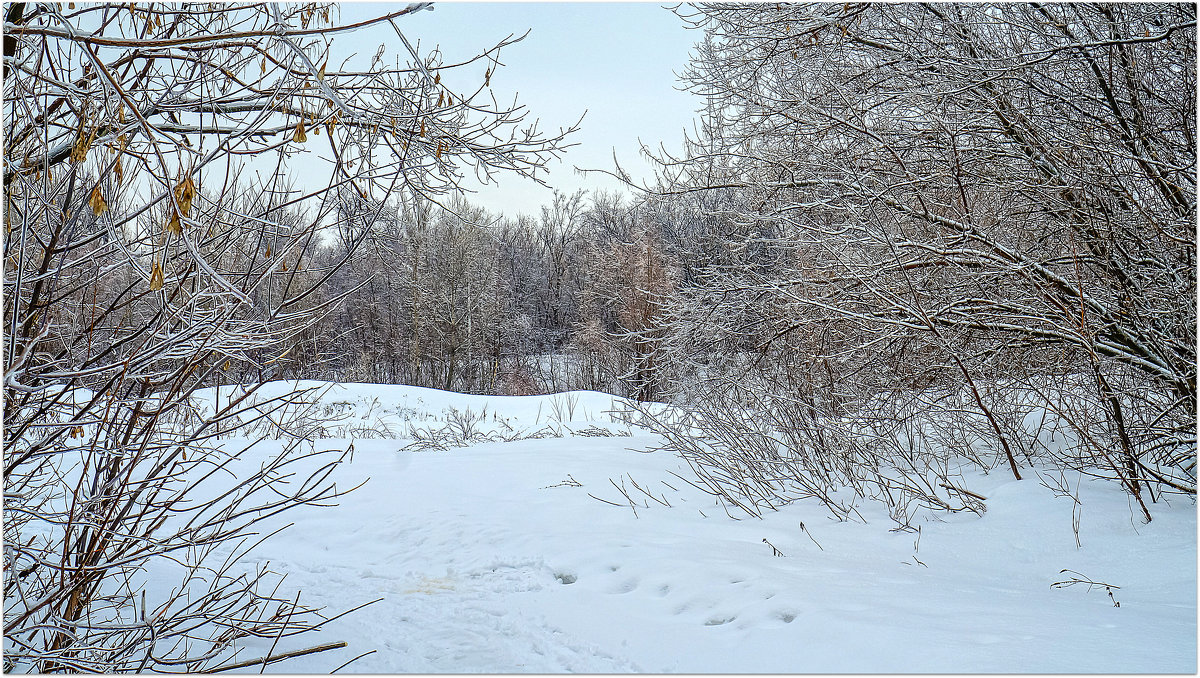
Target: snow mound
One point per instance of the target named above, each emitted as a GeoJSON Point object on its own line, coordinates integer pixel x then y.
{"type": "Point", "coordinates": [375, 411]}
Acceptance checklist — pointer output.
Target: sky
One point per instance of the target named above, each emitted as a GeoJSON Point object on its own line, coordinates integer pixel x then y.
{"type": "Point", "coordinates": [614, 61]}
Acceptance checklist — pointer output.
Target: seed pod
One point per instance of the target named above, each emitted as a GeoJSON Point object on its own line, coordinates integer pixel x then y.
{"type": "Point", "coordinates": [156, 277]}
{"type": "Point", "coordinates": [175, 226]}
{"type": "Point", "coordinates": [97, 202]}
{"type": "Point", "coordinates": [226, 366]}
{"type": "Point", "coordinates": [437, 79]}
{"type": "Point", "coordinates": [83, 142]}
{"type": "Point", "coordinates": [184, 193]}
{"type": "Point", "coordinates": [321, 72]}
{"type": "Point", "coordinates": [422, 127]}
{"type": "Point", "coordinates": [299, 136]}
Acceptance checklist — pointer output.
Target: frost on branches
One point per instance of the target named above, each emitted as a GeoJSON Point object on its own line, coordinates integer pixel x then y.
{"type": "Point", "coordinates": [955, 225]}
{"type": "Point", "coordinates": [153, 241]}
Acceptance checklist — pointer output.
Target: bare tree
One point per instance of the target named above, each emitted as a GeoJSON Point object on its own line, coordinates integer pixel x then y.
{"type": "Point", "coordinates": [135, 272]}
{"type": "Point", "coordinates": [998, 200]}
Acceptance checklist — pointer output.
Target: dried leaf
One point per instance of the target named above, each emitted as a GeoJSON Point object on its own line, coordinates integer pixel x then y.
{"type": "Point", "coordinates": [97, 202]}
{"type": "Point", "coordinates": [321, 72]}
{"type": "Point", "coordinates": [175, 226]}
{"type": "Point", "coordinates": [422, 127]}
{"type": "Point", "coordinates": [184, 193]}
{"type": "Point", "coordinates": [156, 277]}
{"type": "Point", "coordinates": [439, 151]}
{"type": "Point", "coordinates": [299, 136]}
{"type": "Point", "coordinates": [120, 172]}
{"type": "Point", "coordinates": [83, 143]}
{"type": "Point", "coordinates": [267, 254]}
{"type": "Point", "coordinates": [226, 366]}
{"type": "Point", "coordinates": [440, 99]}
{"type": "Point", "coordinates": [487, 78]}
{"type": "Point", "coordinates": [330, 124]}
{"type": "Point", "coordinates": [264, 65]}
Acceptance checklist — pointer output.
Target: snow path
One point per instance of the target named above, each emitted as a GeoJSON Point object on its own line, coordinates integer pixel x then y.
{"type": "Point", "coordinates": [489, 560]}
{"type": "Point", "coordinates": [455, 581]}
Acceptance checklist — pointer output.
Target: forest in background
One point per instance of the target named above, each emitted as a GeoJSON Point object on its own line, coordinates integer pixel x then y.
{"type": "Point", "coordinates": [888, 213]}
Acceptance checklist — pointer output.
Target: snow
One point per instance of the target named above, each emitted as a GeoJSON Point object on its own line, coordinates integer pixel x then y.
{"type": "Point", "coordinates": [504, 556]}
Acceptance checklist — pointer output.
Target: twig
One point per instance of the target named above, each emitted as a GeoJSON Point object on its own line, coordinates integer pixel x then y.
{"type": "Point", "coordinates": [282, 628]}
{"type": "Point", "coordinates": [1080, 579]}
{"type": "Point", "coordinates": [280, 657]}
{"type": "Point", "coordinates": [569, 482]}
{"type": "Point", "coordinates": [962, 491]}
{"type": "Point", "coordinates": [805, 531]}
{"type": "Point", "coordinates": [353, 660]}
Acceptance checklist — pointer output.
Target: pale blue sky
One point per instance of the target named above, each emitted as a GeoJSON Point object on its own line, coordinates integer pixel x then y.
{"type": "Point", "coordinates": [615, 60]}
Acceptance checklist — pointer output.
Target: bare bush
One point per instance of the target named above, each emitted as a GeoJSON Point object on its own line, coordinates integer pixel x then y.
{"type": "Point", "coordinates": [142, 262]}
{"type": "Point", "coordinates": [996, 201]}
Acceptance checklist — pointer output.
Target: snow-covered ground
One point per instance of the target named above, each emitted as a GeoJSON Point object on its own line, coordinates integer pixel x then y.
{"type": "Point", "coordinates": [506, 556]}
